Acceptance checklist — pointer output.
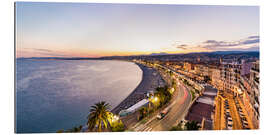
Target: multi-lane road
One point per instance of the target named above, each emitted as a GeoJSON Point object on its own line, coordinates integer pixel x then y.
{"type": "Point", "coordinates": [179, 106]}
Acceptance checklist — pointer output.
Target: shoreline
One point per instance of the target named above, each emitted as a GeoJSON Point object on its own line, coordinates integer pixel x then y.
{"type": "Point", "coordinates": [150, 80]}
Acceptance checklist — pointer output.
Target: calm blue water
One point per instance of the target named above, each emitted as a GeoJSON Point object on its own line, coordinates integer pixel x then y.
{"type": "Point", "coordinates": [57, 94]}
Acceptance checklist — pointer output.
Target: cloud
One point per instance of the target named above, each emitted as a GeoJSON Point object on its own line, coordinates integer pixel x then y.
{"type": "Point", "coordinates": [251, 37]}
{"type": "Point", "coordinates": [42, 50]}
{"type": "Point", "coordinates": [183, 46]}
{"type": "Point", "coordinates": [210, 41]}
{"type": "Point", "coordinates": [251, 41]}
{"type": "Point", "coordinates": [47, 52]}
{"type": "Point", "coordinates": [53, 54]}
{"type": "Point", "coordinates": [215, 45]}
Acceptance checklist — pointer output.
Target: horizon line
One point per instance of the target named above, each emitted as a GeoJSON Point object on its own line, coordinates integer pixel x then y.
{"type": "Point", "coordinates": [151, 54]}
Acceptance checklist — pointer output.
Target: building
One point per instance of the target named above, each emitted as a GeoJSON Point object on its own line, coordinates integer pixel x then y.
{"type": "Point", "coordinates": [216, 78]}
{"type": "Point", "coordinates": [245, 68]}
{"type": "Point", "coordinates": [247, 98]}
{"type": "Point", "coordinates": [245, 88]}
{"type": "Point", "coordinates": [255, 81]}
{"type": "Point", "coordinates": [187, 66]}
{"type": "Point", "coordinates": [230, 76]}
{"type": "Point", "coordinates": [202, 110]}
{"type": "Point", "coordinates": [201, 70]}
{"type": "Point", "coordinates": [134, 108]}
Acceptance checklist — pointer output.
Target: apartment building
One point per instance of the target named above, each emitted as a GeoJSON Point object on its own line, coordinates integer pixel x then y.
{"type": "Point", "coordinates": [230, 75]}
{"type": "Point", "coordinates": [255, 81]}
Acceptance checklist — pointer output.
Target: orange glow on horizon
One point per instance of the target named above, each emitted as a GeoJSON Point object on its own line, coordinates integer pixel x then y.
{"type": "Point", "coordinates": [96, 54]}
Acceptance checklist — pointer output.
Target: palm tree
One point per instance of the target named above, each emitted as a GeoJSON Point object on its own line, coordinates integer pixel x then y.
{"type": "Point", "coordinates": [99, 116]}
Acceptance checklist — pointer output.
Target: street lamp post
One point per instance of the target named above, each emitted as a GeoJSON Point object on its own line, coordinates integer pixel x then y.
{"type": "Point", "coordinates": [115, 118]}
{"type": "Point", "coordinates": [154, 100]}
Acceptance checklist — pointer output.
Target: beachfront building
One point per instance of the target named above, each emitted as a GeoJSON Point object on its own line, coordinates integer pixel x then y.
{"type": "Point", "coordinates": [134, 108]}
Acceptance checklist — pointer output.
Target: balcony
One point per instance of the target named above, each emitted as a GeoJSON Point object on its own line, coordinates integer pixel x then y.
{"type": "Point", "coordinates": [257, 80]}
{"type": "Point", "coordinates": [254, 69]}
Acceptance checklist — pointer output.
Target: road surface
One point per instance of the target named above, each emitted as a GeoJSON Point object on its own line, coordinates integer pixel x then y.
{"type": "Point", "coordinates": [179, 107]}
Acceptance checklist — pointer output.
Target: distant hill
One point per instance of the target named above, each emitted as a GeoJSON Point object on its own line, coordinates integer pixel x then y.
{"type": "Point", "coordinates": [215, 52]}
{"type": "Point", "coordinates": [219, 54]}
{"type": "Point", "coordinates": [233, 52]}
{"type": "Point", "coordinates": [161, 53]}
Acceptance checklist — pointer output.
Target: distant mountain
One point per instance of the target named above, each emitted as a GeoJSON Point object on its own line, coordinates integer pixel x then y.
{"type": "Point", "coordinates": [233, 52]}
{"type": "Point", "coordinates": [215, 52]}
{"type": "Point", "coordinates": [224, 52]}
{"type": "Point", "coordinates": [161, 53]}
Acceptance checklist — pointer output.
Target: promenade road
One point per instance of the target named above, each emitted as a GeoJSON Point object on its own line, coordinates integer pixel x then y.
{"type": "Point", "coordinates": [179, 106]}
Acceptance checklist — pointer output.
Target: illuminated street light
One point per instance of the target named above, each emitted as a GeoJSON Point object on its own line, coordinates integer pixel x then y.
{"type": "Point", "coordinates": [156, 99]}
{"type": "Point", "coordinates": [171, 90]}
{"type": "Point", "coordinates": [115, 118]}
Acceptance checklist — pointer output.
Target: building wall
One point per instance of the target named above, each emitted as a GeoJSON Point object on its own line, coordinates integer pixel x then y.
{"type": "Point", "coordinates": [245, 68]}
{"type": "Point", "coordinates": [254, 81]}
{"type": "Point", "coordinates": [187, 66]}
{"type": "Point", "coordinates": [216, 78]}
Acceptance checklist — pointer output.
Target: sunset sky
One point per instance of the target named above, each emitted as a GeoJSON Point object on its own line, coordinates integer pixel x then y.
{"type": "Point", "coordinates": [95, 30]}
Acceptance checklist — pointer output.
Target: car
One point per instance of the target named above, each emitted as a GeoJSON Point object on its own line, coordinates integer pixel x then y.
{"type": "Point", "coordinates": [160, 116]}
{"type": "Point", "coordinates": [163, 113]}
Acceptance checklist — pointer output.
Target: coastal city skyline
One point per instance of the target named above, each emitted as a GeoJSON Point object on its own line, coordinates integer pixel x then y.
{"type": "Point", "coordinates": [97, 30]}
{"type": "Point", "coordinates": [95, 67]}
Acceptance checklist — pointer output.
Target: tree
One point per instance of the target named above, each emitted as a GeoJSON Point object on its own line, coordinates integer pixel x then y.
{"type": "Point", "coordinates": [163, 94]}
{"type": "Point", "coordinates": [178, 127]}
{"type": "Point", "coordinates": [99, 116]}
{"type": "Point", "coordinates": [174, 83]}
{"type": "Point", "coordinates": [193, 125]}
{"type": "Point", "coordinates": [143, 112]}
{"type": "Point", "coordinates": [207, 79]}
{"type": "Point", "coordinates": [118, 126]}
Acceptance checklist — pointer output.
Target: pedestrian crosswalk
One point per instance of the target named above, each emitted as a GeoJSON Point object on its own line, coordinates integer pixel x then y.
{"type": "Point", "coordinates": [143, 128]}
{"type": "Point", "coordinates": [138, 128]}
{"type": "Point", "coordinates": [148, 129]}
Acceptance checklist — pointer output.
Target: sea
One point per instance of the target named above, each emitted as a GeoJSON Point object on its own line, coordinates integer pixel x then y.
{"type": "Point", "coordinates": [51, 95]}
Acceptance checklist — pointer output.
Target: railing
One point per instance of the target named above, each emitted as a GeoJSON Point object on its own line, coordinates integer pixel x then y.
{"type": "Point", "coordinates": [258, 70]}
{"type": "Point", "coordinates": [257, 80]}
